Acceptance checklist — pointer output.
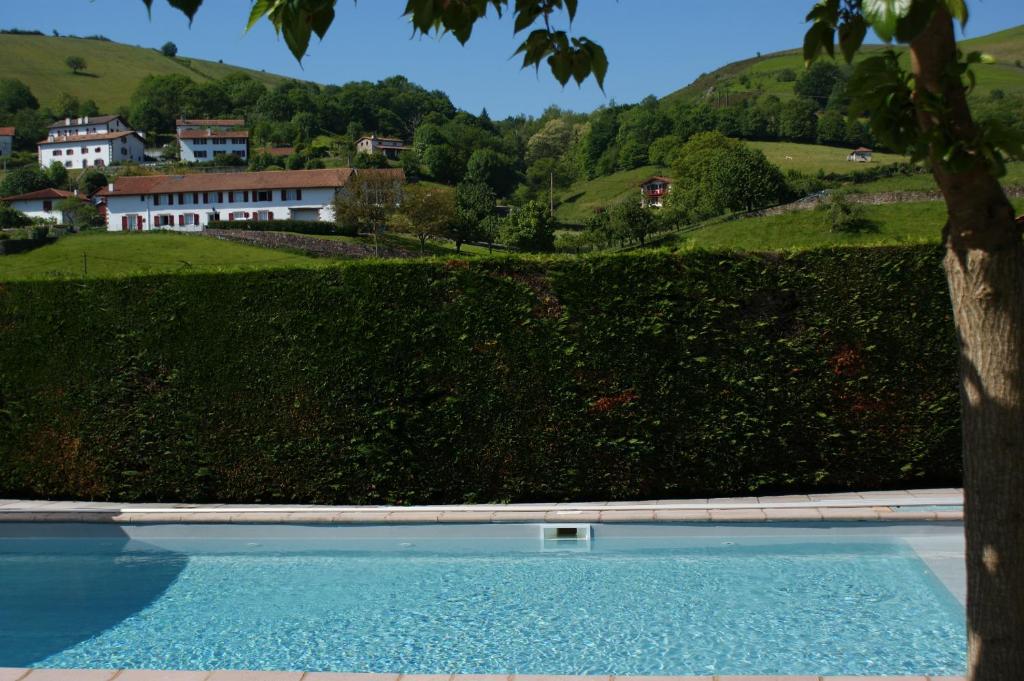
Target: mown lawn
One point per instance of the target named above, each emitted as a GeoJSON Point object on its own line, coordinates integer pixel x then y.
{"type": "Point", "coordinates": [902, 223]}
{"type": "Point", "coordinates": [579, 201]}
{"type": "Point", "coordinates": [115, 254]}
{"type": "Point", "coordinates": [810, 158]}
{"type": "Point", "coordinates": [925, 183]}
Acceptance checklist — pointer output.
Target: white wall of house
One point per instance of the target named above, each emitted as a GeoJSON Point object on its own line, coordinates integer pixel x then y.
{"type": "Point", "coordinates": [86, 154]}
{"type": "Point", "coordinates": [82, 126]}
{"type": "Point", "coordinates": [6, 144]}
{"type": "Point", "coordinates": [147, 212]}
{"type": "Point", "coordinates": [204, 149]}
{"type": "Point", "coordinates": [42, 209]}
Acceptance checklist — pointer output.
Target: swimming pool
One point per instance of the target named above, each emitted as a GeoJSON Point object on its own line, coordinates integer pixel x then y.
{"type": "Point", "coordinates": [814, 598]}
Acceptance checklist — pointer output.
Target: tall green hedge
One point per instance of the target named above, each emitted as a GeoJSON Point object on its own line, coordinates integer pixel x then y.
{"type": "Point", "coordinates": [623, 377]}
{"type": "Point", "coordinates": [296, 226]}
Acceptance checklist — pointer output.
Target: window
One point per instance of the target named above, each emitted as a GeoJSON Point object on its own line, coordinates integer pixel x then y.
{"type": "Point", "coordinates": [98, 150]}
{"type": "Point", "coordinates": [219, 140]}
{"type": "Point", "coordinates": [98, 162]}
{"type": "Point", "coordinates": [71, 152]}
{"type": "Point", "coordinates": [47, 205]}
{"type": "Point", "coordinates": [156, 199]}
{"type": "Point", "coordinates": [264, 195]}
{"type": "Point", "coordinates": [201, 142]}
{"type": "Point", "coordinates": [67, 164]}
{"type": "Point", "coordinates": [264, 215]}
{"type": "Point", "coordinates": [85, 150]}
{"type": "Point", "coordinates": [200, 154]}
{"type": "Point", "coordinates": [181, 198]}
{"type": "Point", "coordinates": [195, 197]}
{"type": "Point", "coordinates": [206, 197]}
{"type": "Point", "coordinates": [220, 197]}
{"type": "Point", "coordinates": [58, 152]}
{"type": "Point", "coordinates": [170, 199]}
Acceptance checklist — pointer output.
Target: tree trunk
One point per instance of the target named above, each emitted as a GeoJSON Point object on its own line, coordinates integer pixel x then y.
{"type": "Point", "coordinates": [985, 270]}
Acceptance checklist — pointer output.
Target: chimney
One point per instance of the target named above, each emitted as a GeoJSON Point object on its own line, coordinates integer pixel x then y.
{"type": "Point", "coordinates": [67, 121]}
{"type": "Point", "coordinates": [110, 187]}
{"type": "Point", "coordinates": [87, 120]}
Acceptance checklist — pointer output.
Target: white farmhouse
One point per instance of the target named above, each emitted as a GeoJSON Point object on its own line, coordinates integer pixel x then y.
{"type": "Point", "coordinates": [41, 204]}
{"type": "Point", "coordinates": [92, 149]}
{"type": "Point", "coordinates": [189, 202]}
{"type": "Point", "coordinates": [390, 147]}
{"type": "Point", "coordinates": [87, 125]}
{"type": "Point", "coordinates": [204, 145]}
{"type": "Point", "coordinates": [6, 141]}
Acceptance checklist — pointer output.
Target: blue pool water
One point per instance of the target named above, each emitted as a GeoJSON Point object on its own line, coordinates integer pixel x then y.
{"type": "Point", "coordinates": [677, 606]}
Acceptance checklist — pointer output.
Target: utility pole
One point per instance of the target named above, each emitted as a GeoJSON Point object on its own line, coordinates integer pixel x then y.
{"type": "Point", "coordinates": [551, 195]}
{"type": "Point", "coordinates": [85, 266]}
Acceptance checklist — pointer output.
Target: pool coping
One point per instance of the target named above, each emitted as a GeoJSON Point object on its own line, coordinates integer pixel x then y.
{"type": "Point", "coordinates": [11, 674]}
{"type": "Point", "coordinates": [844, 506]}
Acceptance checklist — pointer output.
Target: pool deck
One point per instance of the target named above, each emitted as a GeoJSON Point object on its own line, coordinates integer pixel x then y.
{"type": "Point", "coordinates": [147, 675]}
{"type": "Point", "coordinates": [899, 505]}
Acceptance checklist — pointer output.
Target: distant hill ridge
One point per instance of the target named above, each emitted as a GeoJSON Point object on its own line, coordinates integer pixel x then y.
{"type": "Point", "coordinates": [113, 69]}
{"type": "Point", "coordinates": [760, 74]}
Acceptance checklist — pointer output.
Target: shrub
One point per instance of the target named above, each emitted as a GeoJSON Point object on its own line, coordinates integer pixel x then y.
{"type": "Point", "coordinates": [509, 379]}
{"type": "Point", "coordinates": [296, 226]}
{"type": "Point", "coordinates": [11, 218]}
{"type": "Point", "coordinates": [843, 216]}
{"type": "Point", "coordinates": [169, 49]}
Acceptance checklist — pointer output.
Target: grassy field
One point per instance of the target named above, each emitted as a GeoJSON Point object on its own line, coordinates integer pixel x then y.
{"type": "Point", "coordinates": [114, 69]}
{"type": "Point", "coordinates": [578, 202]}
{"type": "Point", "coordinates": [924, 183]}
{"type": "Point", "coordinates": [810, 158]}
{"type": "Point", "coordinates": [760, 72]}
{"type": "Point", "coordinates": [116, 254]}
{"type": "Point", "coordinates": [903, 223]}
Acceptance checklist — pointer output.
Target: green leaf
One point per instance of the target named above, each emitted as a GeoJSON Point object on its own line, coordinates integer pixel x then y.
{"type": "Point", "coordinates": [851, 36]}
{"type": "Point", "coordinates": [884, 15]}
{"type": "Point", "coordinates": [958, 10]}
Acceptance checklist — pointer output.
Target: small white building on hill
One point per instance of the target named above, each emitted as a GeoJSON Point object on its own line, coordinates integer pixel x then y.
{"type": "Point", "coordinates": [91, 141]}
{"type": "Point", "coordinates": [42, 204]}
{"type": "Point", "coordinates": [189, 202]}
{"type": "Point", "coordinates": [390, 147]}
{"type": "Point", "coordinates": [203, 146]}
{"type": "Point", "coordinates": [86, 125]}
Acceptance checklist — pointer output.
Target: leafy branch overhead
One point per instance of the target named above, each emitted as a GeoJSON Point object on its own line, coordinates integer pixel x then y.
{"type": "Point", "coordinates": [889, 95]}
{"type": "Point", "coordinates": [568, 57]}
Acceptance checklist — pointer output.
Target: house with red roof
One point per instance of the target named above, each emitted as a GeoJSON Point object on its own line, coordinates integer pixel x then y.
{"type": "Point", "coordinates": [190, 202]}
{"type": "Point", "coordinates": [200, 140]}
{"type": "Point", "coordinates": [860, 155]}
{"type": "Point", "coordinates": [654, 190]}
{"type": "Point", "coordinates": [91, 141]}
{"type": "Point", "coordinates": [42, 204]}
{"type": "Point", "coordinates": [390, 147]}
{"type": "Point", "coordinates": [6, 141]}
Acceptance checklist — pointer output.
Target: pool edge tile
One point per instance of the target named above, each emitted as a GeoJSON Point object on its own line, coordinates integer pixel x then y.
{"type": "Point", "coordinates": [13, 673]}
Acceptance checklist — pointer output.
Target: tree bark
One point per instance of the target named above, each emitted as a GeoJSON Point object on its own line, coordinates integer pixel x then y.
{"type": "Point", "coordinates": [984, 266]}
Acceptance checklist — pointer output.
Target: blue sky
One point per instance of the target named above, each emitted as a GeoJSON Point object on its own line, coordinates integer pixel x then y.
{"type": "Point", "coordinates": [655, 46]}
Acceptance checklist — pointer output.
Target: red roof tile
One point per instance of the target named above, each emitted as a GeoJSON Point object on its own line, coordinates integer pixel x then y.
{"type": "Point", "coordinates": [48, 193]}
{"type": "Point", "coordinates": [655, 178]}
{"type": "Point", "coordinates": [94, 137]}
{"type": "Point", "coordinates": [9, 132]}
{"type": "Point", "coordinates": [204, 182]}
{"type": "Point", "coordinates": [92, 120]}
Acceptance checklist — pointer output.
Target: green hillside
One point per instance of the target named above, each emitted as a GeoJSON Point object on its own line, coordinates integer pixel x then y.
{"type": "Point", "coordinates": [579, 201]}
{"type": "Point", "coordinates": [758, 75]}
{"type": "Point", "coordinates": [114, 69]}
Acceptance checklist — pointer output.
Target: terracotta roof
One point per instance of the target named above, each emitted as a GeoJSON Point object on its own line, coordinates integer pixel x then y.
{"type": "Point", "coordinates": [204, 182]}
{"type": "Point", "coordinates": [861, 149]}
{"type": "Point", "coordinates": [655, 178]}
{"type": "Point", "coordinates": [95, 137]}
{"type": "Point", "coordinates": [9, 132]}
{"type": "Point", "coordinates": [97, 120]}
{"type": "Point", "coordinates": [380, 139]}
{"type": "Point", "coordinates": [202, 134]}
{"type": "Point", "coordinates": [211, 121]}
{"type": "Point", "coordinates": [48, 193]}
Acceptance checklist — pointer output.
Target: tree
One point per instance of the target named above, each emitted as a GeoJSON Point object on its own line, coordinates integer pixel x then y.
{"type": "Point", "coordinates": [424, 212]}
{"type": "Point", "coordinates": [67, 105]}
{"type": "Point", "coordinates": [23, 180]}
{"type": "Point", "coordinates": [494, 169]}
{"type": "Point", "coordinates": [818, 81]}
{"type": "Point", "coordinates": [76, 64]}
{"type": "Point", "coordinates": [91, 181]}
{"type": "Point", "coordinates": [367, 201]}
{"type": "Point", "coordinates": [57, 175]}
{"type": "Point", "coordinates": [528, 228]}
{"type": "Point", "coordinates": [15, 96]}
{"type": "Point", "coordinates": [629, 220]}
{"type": "Point", "coordinates": [924, 112]}
{"type": "Point", "coordinates": [832, 128]}
{"type": "Point", "coordinates": [475, 202]}
{"type": "Point", "coordinates": [799, 120]}
{"type": "Point", "coordinates": [169, 49]}
{"type": "Point", "coordinates": [664, 149]}
{"type": "Point", "coordinates": [79, 214]}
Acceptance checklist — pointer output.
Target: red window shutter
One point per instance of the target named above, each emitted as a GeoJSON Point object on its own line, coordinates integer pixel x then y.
{"type": "Point", "coordinates": [298, 194]}
{"type": "Point", "coordinates": [206, 197]}
{"type": "Point", "coordinates": [138, 222]}
{"type": "Point", "coordinates": [246, 215]}
{"type": "Point", "coordinates": [231, 217]}
{"type": "Point", "coordinates": [195, 218]}
{"type": "Point", "coordinates": [181, 198]}
{"type": "Point", "coordinates": [220, 197]}
{"type": "Point", "coordinates": [231, 197]}
{"type": "Point", "coordinates": [124, 222]}
{"type": "Point", "coordinates": [181, 220]}
{"type": "Point", "coordinates": [255, 217]}
{"type": "Point", "coordinates": [245, 196]}
{"type": "Point", "coordinates": [170, 199]}
{"type": "Point", "coordinates": [156, 199]}
{"type": "Point", "coordinates": [195, 197]}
